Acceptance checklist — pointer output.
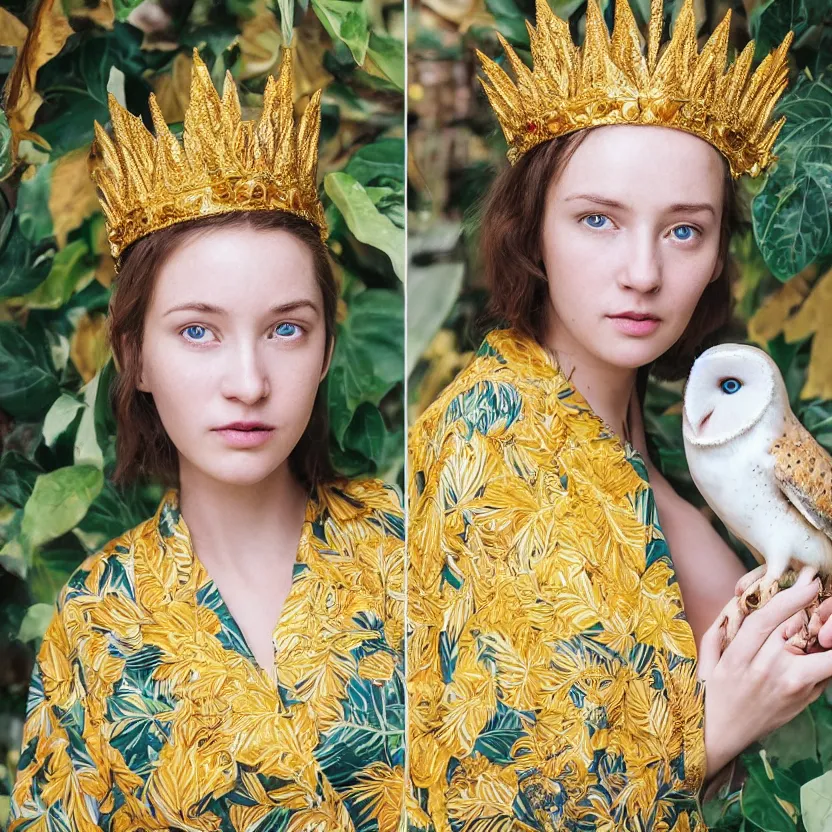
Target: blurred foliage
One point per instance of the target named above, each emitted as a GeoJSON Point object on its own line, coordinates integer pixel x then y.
{"type": "Point", "coordinates": [57, 432]}
{"type": "Point", "coordinates": [783, 294]}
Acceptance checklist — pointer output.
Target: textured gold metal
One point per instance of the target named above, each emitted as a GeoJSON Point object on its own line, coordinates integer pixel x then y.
{"type": "Point", "coordinates": [226, 164]}
{"type": "Point", "coordinates": [610, 81]}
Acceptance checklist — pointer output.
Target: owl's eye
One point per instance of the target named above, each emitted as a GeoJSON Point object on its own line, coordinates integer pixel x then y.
{"type": "Point", "coordinates": [730, 386]}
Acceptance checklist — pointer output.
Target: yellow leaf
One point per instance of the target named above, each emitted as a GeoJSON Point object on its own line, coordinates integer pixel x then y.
{"type": "Point", "coordinates": [771, 317]}
{"type": "Point", "coordinates": [72, 197]}
{"type": "Point", "coordinates": [88, 348]}
{"type": "Point", "coordinates": [173, 89]}
{"type": "Point", "coordinates": [49, 32]}
{"type": "Point", "coordinates": [800, 310]}
{"type": "Point", "coordinates": [12, 31]}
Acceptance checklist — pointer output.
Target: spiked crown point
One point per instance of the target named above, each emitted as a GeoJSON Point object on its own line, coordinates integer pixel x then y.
{"type": "Point", "coordinates": [611, 81]}
{"type": "Point", "coordinates": [224, 164]}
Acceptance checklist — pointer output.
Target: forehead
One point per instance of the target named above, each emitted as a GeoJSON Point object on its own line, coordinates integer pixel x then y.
{"type": "Point", "coordinates": [644, 163]}
{"type": "Point", "coordinates": [239, 269]}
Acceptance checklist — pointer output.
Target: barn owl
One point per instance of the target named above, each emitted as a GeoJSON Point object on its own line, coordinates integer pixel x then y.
{"type": "Point", "coordinates": [757, 467]}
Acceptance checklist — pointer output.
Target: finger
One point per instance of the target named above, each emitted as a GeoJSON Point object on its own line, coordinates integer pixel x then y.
{"type": "Point", "coordinates": [825, 632]}
{"type": "Point", "coordinates": [815, 668]}
{"type": "Point", "coordinates": [710, 649]}
{"type": "Point", "coordinates": [824, 611]}
{"type": "Point", "coordinates": [793, 625]}
{"type": "Point", "coordinates": [763, 622]}
{"type": "Point", "coordinates": [787, 631]}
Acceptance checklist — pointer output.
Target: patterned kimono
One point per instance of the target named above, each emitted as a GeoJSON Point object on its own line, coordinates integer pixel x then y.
{"type": "Point", "coordinates": [551, 670]}
{"type": "Point", "coordinates": [148, 711]}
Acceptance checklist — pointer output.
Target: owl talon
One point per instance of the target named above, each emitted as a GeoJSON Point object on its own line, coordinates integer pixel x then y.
{"type": "Point", "coordinates": [803, 638]}
{"type": "Point", "coordinates": [758, 593]}
{"type": "Point", "coordinates": [729, 622]}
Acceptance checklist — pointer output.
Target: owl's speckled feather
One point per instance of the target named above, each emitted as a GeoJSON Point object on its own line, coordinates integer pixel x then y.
{"type": "Point", "coordinates": [803, 469]}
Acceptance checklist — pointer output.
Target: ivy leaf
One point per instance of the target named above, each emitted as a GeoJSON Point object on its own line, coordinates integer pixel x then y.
{"type": "Point", "coordinates": [791, 214]}
{"type": "Point", "coordinates": [368, 359]}
{"type": "Point", "coordinates": [364, 220]}
{"type": "Point", "coordinates": [346, 21]}
{"type": "Point", "coordinates": [28, 384]}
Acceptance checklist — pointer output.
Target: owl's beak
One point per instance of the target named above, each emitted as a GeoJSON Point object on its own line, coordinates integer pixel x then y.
{"type": "Point", "coordinates": [704, 421]}
{"type": "Point", "coordinates": [695, 425]}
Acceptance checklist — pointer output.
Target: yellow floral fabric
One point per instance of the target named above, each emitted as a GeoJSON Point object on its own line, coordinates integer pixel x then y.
{"type": "Point", "coordinates": [148, 711]}
{"type": "Point", "coordinates": [551, 671]}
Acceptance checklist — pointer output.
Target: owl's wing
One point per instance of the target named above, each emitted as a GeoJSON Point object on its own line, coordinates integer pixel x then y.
{"type": "Point", "coordinates": [803, 470]}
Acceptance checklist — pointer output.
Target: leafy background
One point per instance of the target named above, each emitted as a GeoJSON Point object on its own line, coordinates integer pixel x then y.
{"type": "Point", "coordinates": [784, 293]}
{"type": "Point", "coordinates": [59, 60]}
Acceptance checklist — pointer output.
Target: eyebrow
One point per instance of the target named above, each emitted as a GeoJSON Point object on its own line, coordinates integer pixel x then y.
{"type": "Point", "coordinates": [209, 308]}
{"type": "Point", "coordinates": [675, 208]}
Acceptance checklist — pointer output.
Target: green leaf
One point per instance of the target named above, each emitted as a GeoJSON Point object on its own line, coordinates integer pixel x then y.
{"type": "Point", "coordinates": [364, 220]}
{"type": "Point", "coordinates": [368, 359]}
{"type": "Point", "coordinates": [124, 7]}
{"type": "Point", "coordinates": [6, 161]}
{"type": "Point", "coordinates": [28, 384]}
{"type": "Point", "coordinates": [764, 794]}
{"type": "Point", "coordinates": [60, 416]}
{"type": "Point", "coordinates": [35, 622]}
{"type": "Point", "coordinates": [287, 16]}
{"type": "Point", "coordinates": [792, 215]}
{"type": "Point", "coordinates": [346, 21]}
{"type": "Point", "coordinates": [59, 502]}
{"type": "Point", "coordinates": [816, 803]}
{"type": "Point", "coordinates": [366, 433]}
{"type": "Point", "coordinates": [72, 269]}
{"type": "Point", "coordinates": [17, 478]}
{"type": "Point", "coordinates": [388, 55]}
{"type": "Point", "coordinates": [432, 292]}
{"type": "Point", "coordinates": [378, 163]}
{"type": "Point", "coordinates": [87, 449]}
{"type": "Point", "coordinates": [510, 20]}
{"type": "Point", "coordinates": [25, 264]}
{"type": "Point", "coordinates": [33, 204]}
{"type": "Point", "coordinates": [795, 741]}
{"type": "Point", "coordinates": [770, 21]}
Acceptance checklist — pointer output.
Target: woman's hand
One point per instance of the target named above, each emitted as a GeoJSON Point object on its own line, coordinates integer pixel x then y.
{"type": "Point", "coordinates": [759, 682]}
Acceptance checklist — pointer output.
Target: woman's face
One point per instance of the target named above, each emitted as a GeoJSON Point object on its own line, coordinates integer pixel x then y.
{"type": "Point", "coordinates": [630, 240]}
{"type": "Point", "coordinates": [235, 333]}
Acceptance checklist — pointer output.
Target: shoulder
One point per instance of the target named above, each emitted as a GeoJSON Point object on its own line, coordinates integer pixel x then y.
{"type": "Point", "coordinates": [361, 506]}
{"type": "Point", "coordinates": [110, 570]}
{"type": "Point", "coordinates": [484, 397]}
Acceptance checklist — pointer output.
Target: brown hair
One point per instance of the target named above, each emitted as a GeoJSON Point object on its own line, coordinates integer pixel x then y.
{"type": "Point", "coordinates": [510, 247]}
{"type": "Point", "coordinates": [143, 448]}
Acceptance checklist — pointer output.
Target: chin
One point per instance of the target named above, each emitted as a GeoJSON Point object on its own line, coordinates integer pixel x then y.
{"type": "Point", "coordinates": [244, 471]}
{"type": "Point", "coordinates": [632, 353]}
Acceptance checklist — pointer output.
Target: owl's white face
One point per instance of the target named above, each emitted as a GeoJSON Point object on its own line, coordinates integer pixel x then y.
{"type": "Point", "coordinates": [728, 390]}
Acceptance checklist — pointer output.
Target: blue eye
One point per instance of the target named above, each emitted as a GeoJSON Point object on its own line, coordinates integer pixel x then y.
{"type": "Point", "coordinates": [595, 216]}
{"type": "Point", "coordinates": [286, 330]}
{"type": "Point", "coordinates": [730, 386]}
{"type": "Point", "coordinates": [685, 228]}
{"type": "Point", "coordinates": [195, 327]}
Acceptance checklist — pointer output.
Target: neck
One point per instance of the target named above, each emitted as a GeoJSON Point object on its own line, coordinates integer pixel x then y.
{"type": "Point", "coordinates": [608, 389]}
{"type": "Point", "coordinates": [242, 528]}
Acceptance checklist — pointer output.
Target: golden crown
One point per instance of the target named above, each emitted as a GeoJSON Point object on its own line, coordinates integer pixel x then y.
{"type": "Point", "coordinates": [610, 81]}
{"type": "Point", "coordinates": [225, 165]}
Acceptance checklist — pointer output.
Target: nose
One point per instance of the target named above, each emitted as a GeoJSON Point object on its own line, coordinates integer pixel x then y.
{"type": "Point", "coordinates": [244, 373]}
{"type": "Point", "coordinates": [642, 270]}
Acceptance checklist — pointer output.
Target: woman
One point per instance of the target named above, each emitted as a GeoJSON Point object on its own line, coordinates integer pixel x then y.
{"type": "Point", "coordinates": [234, 662]}
{"type": "Point", "coordinates": [552, 668]}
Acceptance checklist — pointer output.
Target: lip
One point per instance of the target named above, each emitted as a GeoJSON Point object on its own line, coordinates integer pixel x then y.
{"type": "Point", "coordinates": [246, 434]}
{"type": "Point", "coordinates": [638, 324]}
{"type": "Point", "coordinates": [246, 426]}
